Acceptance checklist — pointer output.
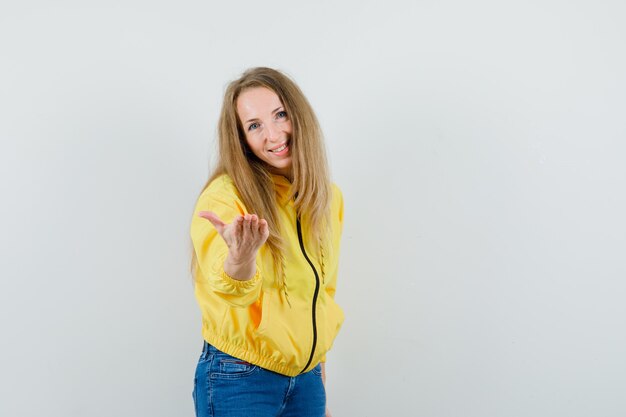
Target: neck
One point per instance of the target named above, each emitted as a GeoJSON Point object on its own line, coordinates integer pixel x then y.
{"type": "Point", "coordinates": [287, 173]}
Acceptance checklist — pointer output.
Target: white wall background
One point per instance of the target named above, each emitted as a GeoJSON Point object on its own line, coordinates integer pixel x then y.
{"type": "Point", "coordinates": [480, 147]}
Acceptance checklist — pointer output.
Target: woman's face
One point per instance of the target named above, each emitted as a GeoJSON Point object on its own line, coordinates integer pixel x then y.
{"type": "Point", "coordinates": [267, 128]}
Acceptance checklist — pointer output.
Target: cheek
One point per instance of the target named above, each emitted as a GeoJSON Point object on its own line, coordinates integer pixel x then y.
{"type": "Point", "coordinates": [254, 143]}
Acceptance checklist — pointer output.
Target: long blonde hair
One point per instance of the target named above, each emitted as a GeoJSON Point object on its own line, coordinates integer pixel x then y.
{"type": "Point", "coordinates": [311, 182]}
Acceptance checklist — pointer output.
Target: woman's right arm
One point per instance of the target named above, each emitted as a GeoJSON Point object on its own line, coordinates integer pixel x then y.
{"type": "Point", "coordinates": [232, 272]}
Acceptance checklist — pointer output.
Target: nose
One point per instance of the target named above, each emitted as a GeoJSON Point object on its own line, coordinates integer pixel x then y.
{"type": "Point", "coordinates": [273, 132]}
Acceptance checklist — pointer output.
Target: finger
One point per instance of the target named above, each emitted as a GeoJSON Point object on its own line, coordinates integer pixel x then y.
{"type": "Point", "coordinates": [254, 225]}
{"type": "Point", "coordinates": [213, 218]}
{"type": "Point", "coordinates": [247, 232]}
{"type": "Point", "coordinates": [264, 229]}
{"type": "Point", "coordinates": [230, 234]}
{"type": "Point", "coordinates": [238, 227]}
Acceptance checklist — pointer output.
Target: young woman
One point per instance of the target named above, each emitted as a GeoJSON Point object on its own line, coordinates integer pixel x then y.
{"type": "Point", "coordinates": [266, 232]}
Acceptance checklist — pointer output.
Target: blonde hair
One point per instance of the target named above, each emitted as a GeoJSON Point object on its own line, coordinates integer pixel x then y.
{"type": "Point", "coordinates": [311, 183]}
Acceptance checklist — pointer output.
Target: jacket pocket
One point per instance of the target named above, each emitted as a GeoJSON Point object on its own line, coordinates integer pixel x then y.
{"type": "Point", "coordinates": [334, 319]}
{"type": "Point", "coordinates": [265, 311]}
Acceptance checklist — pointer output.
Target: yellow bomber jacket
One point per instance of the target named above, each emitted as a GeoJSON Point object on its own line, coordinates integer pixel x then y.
{"type": "Point", "coordinates": [254, 320]}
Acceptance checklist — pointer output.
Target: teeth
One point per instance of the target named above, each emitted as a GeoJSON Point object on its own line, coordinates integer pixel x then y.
{"type": "Point", "coordinates": [280, 149]}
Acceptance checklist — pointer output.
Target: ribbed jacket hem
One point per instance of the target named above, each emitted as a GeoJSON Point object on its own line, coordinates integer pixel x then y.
{"type": "Point", "coordinates": [241, 352]}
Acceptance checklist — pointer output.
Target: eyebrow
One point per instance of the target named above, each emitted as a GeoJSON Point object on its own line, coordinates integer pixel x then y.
{"type": "Point", "coordinates": [256, 118]}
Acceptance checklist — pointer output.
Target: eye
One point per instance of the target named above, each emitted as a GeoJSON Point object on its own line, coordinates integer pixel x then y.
{"type": "Point", "coordinates": [253, 126]}
{"type": "Point", "coordinates": [281, 114]}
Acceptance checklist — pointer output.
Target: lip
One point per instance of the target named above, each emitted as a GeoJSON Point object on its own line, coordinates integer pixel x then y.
{"type": "Point", "coordinates": [285, 143]}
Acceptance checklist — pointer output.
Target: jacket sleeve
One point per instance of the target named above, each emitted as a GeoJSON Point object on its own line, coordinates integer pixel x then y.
{"type": "Point", "coordinates": [337, 221]}
{"type": "Point", "coordinates": [211, 250]}
{"type": "Point", "coordinates": [337, 229]}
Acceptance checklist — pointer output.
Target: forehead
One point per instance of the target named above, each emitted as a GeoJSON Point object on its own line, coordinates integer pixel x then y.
{"type": "Point", "coordinates": [257, 102]}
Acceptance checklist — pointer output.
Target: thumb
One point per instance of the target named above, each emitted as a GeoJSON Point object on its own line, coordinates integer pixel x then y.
{"type": "Point", "coordinates": [213, 218]}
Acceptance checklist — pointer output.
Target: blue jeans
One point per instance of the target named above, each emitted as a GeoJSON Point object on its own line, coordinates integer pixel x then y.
{"type": "Point", "coordinates": [225, 386]}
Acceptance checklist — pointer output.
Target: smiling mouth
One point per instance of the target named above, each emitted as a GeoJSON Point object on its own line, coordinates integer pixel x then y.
{"type": "Point", "coordinates": [280, 148]}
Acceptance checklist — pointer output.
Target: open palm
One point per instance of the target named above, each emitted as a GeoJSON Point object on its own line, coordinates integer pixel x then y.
{"type": "Point", "coordinates": [244, 236]}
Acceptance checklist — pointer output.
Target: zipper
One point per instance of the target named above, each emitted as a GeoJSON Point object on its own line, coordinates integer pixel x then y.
{"type": "Point", "coordinates": [315, 294]}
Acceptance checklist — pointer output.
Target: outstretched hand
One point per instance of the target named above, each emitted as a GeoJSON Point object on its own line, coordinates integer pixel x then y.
{"type": "Point", "coordinates": [244, 236]}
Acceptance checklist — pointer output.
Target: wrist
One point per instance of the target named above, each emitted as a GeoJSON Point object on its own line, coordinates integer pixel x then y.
{"type": "Point", "coordinates": [238, 262]}
{"type": "Point", "coordinates": [240, 270]}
